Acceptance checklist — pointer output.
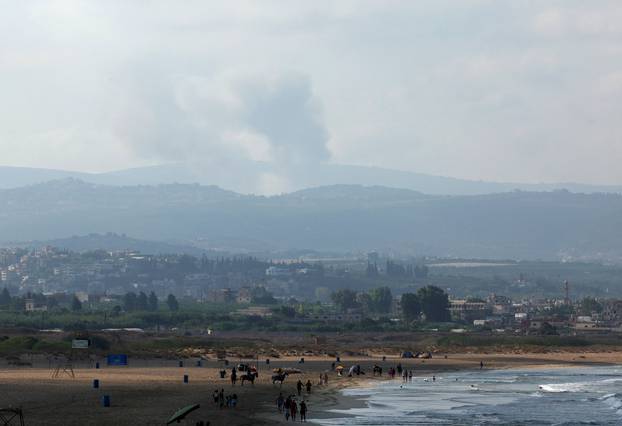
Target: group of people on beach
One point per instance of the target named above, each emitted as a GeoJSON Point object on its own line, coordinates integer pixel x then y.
{"type": "Point", "coordinates": [323, 379]}
{"type": "Point", "coordinates": [407, 376]}
{"type": "Point", "coordinates": [224, 401]}
{"type": "Point", "coordinates": [291, 408]}
{"type": "Point", "coordinates": [300, 385]}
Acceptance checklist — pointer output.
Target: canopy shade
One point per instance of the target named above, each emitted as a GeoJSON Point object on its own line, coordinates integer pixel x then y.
{"type": "Point", "coordinates": [180, 414]}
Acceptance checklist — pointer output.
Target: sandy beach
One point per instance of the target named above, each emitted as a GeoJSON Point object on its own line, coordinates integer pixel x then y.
{"type": "Point", "coordinates": [148, 392]}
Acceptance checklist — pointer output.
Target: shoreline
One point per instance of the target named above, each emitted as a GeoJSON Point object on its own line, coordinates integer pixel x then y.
{"type": "Point", "coordinates": [332, 397]}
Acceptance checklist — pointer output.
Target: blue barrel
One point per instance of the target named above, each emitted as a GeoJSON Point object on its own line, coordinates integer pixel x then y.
{"type": "Point", "coordinates": [95, 383]}
{"type": "Point", "coordinates": [185, 378]}
{"type": "Point", "coordinates": [181, 363]}
{"type": "Point", "coordinates": [97, 365]}
{"type": "Point", "coordinates": [106, 400]}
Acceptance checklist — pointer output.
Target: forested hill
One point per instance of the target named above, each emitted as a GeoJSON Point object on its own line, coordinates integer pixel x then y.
{"type": "Point", "coordinates": [526, 225]}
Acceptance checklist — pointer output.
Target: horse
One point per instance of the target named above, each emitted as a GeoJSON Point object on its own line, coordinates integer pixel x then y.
{"type": "Point", "coordinates": [279, 378]}
{"type": "Point", "coordinates": [248, 377]}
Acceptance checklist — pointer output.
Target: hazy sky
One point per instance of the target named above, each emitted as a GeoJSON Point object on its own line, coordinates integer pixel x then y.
{"type": "Point", "coordinates": [495, 90]}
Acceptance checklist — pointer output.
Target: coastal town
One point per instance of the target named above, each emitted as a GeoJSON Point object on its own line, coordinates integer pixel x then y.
{"type": "Point", "coordinates": [308, 294]}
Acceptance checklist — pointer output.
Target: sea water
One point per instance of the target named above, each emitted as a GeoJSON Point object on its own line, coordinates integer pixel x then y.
{"type": "Point", "coordinates": [553, 396]}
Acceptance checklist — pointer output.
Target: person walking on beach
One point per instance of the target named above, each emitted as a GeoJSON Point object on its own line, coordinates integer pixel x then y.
{"type": "Point", "coordinates": [221, 398]}
{"type": "Point", "coordinates": [234, 376]}
{"type": "Point", "coordinates": [286, 406]}
{"type": "Point", "coordinates": [293, 409]}
{"type": "Point", "coordinates": [279, 402]}
{"type": "Point", "coordinates": [303, 411]}
{"type": "Point", "coordinates": [299, 387]}
{"type": "Point", "coordinates": [399, 369]}
{"type": "Point", "coordinates": [325, 378]}
{"type": "Point", "coordinates": [308, 385]}
{"type": "Point", "coordinates": [410, 375]}
{"type": "Point", "coordinates": [215, 396]}
{"type": "Point", "coordinates": [481, 365]}
{"type": "Point", "coordinates": [404, 376]}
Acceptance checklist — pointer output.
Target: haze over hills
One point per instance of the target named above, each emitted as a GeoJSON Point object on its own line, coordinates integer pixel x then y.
{"type": "Point", "coordinates": [256, 179]}
{"type": "Point", "coordinates": [342, 218]}
{"type": "Point", "coordinates": [112, 242]}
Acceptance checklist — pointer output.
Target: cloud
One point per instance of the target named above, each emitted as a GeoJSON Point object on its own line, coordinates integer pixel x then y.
{"type": "Point", "coordinates": [580, 19]}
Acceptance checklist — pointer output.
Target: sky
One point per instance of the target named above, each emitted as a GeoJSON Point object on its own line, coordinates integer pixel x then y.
{"type": "Point", "coordinates": [520, 91]}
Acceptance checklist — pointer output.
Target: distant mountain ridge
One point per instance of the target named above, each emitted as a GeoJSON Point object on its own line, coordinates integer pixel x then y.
{"type": "Point", "coordinates": [319, 175]}
{"type": "Point", "coordinates": [338, 218]}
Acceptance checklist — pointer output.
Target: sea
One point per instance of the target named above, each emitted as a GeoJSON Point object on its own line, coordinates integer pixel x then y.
{"type": "Point", "coordinates": [534, 396]}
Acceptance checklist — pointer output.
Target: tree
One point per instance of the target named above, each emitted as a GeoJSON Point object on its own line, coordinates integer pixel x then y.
{"type": "Point", "coordinates": [172, 303]}
{"type": "Point", "coordinates": [590, 305]}
{"type": "Point", "coordinates": [153, 302]}
{"type": "Point", "coordinates": [345, 299]}
{"type": "Point", "coordinates": [287, 311]}
{"type": "Point", "coordinates": [364, 300]}
{"type": "Point", "coordinates": [411, 306]}
{"type": "Point", "coordinates": [76, 305]}
{"type": "Point", "coordinates": [142, 302]}
{"type": "Point", "coordinates": [51, 302]}
{"type": "Point", "coordinates": [434, 303]}
{"type": "Point", "coordinates": [18, 303]}
{"type": "Point", "coordinates": [5, 298]}
{"type": "Point", "coordinates": [548, 330]}
{"type": "Point", "coordinates": [130, 301]}
{"type": "Point", "coordinates": [381, 299]}
{"type": "Point", "coordinates": [262, 296]}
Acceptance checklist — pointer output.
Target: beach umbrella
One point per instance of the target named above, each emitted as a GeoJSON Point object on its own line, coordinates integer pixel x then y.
{"type": "Point", "coordinates": [182, 413]}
